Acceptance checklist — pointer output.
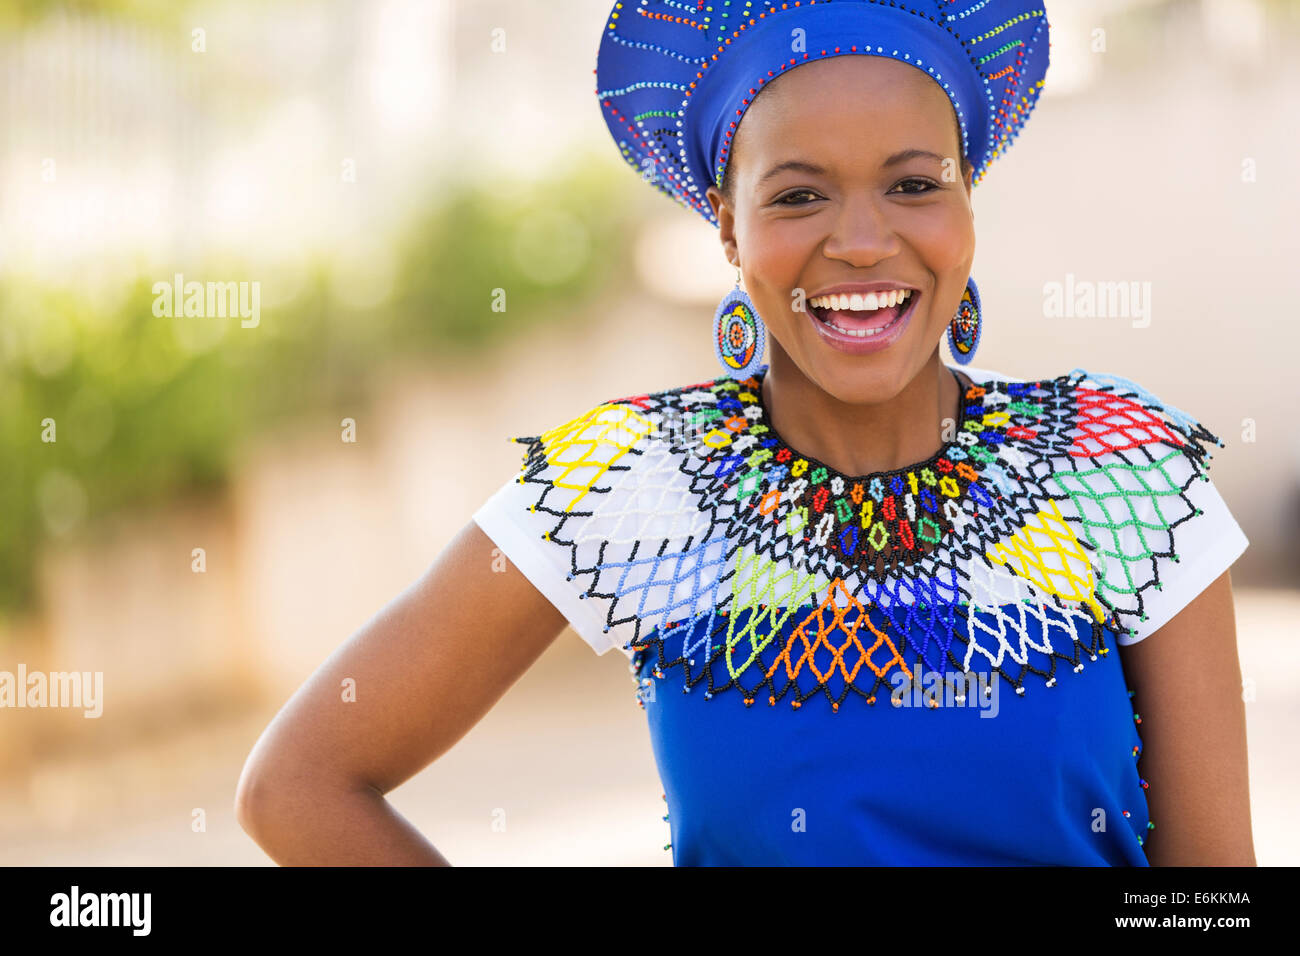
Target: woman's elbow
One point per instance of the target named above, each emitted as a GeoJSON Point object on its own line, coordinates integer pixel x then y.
{"type": "Point", "coordinates": [255, 799]}
{"type": "Point", "coordinates": [267, 797]}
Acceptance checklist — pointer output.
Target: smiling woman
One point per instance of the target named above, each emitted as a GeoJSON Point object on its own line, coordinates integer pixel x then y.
{"type": "Point", "coordinates": [850, 199]}
{"type": "Point", "coordinates": [789, 552]}
{"type": "Point", "coordinates": [876, 313]}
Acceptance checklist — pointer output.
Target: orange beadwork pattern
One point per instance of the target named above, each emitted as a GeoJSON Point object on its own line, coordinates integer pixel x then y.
{"type": "Point", "coordinates": [824, 630]}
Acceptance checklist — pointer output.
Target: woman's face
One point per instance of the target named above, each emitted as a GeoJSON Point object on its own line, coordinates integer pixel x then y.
{"type": "Point", "coordinates": [847, 171]}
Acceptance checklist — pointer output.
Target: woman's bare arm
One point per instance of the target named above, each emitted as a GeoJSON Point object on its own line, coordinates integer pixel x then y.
{"type": "Point", "coordinates": [426, 668]}
{"type": "Point", "coordinates": [1186, 681]}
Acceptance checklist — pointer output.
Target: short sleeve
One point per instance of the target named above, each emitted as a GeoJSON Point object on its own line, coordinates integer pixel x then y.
{"type": "Point", "coordinates": [1160, 530]}
{"type": "Point", "coordinates": [506, 517]}
{"type": "Point", "coordinates": [1205, 545]}
{"type": "Point", "coordinates": [602, 521]}
{"type": "Point", "coordinates": [542, 517]}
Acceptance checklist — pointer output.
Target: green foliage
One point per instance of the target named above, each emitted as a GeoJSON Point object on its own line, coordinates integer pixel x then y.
{"type": "Point", "coordinates": [148, 408]}
{"type": "Point", "coordinates": [14, 14]}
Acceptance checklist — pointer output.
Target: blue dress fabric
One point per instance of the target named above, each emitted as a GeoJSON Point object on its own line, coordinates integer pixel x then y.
{"type": "Point", "coordinates": [1048, 780]}
{"type": "Point", "coordinates": [915, 667]}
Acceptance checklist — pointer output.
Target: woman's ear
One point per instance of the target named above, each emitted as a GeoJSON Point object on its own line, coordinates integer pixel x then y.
{"type": "Point", "coordinates": [726, 223]}
{"type": "Point", "coordinates": [714, 195]}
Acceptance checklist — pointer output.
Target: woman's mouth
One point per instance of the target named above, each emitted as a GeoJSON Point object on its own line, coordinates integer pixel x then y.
{"type": "Point", "coordinates": [863, 322]}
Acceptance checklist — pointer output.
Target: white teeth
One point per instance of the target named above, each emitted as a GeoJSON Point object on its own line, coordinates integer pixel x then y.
{"type": "Point", "coordinates": [859, 333]}
{"type": "Point", "coordinates": [868, 302]}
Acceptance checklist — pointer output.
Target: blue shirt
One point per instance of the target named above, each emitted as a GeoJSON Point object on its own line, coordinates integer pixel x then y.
{"type": "Point", "coordinates": [1047, 779]}
{"type": "Point", "coordinates": [772, 609]}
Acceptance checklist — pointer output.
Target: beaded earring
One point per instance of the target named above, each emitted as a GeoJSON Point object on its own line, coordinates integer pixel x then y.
{"type": "Point", "coordinates": [739, 335]}
{"type": "Point", "coordinates": [964, 329]}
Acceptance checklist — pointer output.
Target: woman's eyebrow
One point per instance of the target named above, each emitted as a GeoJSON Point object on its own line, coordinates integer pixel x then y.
{"type": "Point", "coordinates": [803, 166]}
{"type": "Point", "coordinates": [904, 155]}
{"type": "Point", "coordinates": [797, 165]}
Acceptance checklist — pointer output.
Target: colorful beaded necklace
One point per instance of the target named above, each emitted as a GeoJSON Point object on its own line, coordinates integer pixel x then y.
{"type": "Point", "coordinates": [845, 506]}
{"type": "Point", "coordinates": [1022, 544]}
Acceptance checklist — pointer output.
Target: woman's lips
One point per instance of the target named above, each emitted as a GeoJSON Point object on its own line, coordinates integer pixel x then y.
{"type": "Point", "coordinates": [884, 327]}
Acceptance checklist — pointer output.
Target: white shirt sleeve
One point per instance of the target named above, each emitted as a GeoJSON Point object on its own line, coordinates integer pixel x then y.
{"type": "Point", "coordinates": [1205, 544]}
{"type": "Point", "coordinates": [519, 533]}
{"type": "Point", "coordinates": [593, 494]}
{"type": "Point", "coordinates": [602, 520]}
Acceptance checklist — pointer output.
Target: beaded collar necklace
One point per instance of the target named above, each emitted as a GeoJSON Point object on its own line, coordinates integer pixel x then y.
{"type": "Point", "coordinates": [815, 463]}
{"type": "Point", "coordinates": [872, 523]}
{"type": "Point", "coordinates": [1020, 545]}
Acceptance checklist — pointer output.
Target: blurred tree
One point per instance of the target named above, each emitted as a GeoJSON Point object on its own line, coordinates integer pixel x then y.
{"type": "Point", "coordinates": [147, 408]}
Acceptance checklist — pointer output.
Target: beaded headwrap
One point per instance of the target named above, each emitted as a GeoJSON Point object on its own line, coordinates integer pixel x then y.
{"type": "Point", "coordinates": [675, 77]}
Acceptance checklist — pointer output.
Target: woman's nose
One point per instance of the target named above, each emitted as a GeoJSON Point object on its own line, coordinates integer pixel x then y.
{"type": "Point", "coordinates": [861, 234]}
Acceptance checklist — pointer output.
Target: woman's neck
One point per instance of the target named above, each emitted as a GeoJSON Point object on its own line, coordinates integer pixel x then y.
{"type": "Point", "coordinates": [863, 439]}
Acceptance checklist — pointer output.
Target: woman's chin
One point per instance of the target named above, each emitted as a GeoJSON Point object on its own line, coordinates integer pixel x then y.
{"type": "Point", "coordinates": [857, 382]}
{"type": "Point", "coordinates": [859, 379]}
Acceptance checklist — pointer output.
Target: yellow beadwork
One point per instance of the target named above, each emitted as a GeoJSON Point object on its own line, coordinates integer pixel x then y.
{"type": "Point", "coordinates": [586, 446]}
{"type": "Point", "coordinates": [1028, 553]}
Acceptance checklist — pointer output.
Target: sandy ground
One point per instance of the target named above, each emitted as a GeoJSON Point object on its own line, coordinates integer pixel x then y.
{"type": "Point", "coordinates": [576, 783]}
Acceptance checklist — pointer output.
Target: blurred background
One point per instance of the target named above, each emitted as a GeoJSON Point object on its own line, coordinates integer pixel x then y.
{"type": "Point", "coordinates": [180, 507]}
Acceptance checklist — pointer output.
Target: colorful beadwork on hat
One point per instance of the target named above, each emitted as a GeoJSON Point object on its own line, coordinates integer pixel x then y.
{"type": "Point", "coordinates": [674, 77]}
{"type": "Point", "coordinates": [1029, 541]}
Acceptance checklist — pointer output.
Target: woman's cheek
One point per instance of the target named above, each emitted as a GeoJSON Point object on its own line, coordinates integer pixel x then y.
{"type": "Point", "coordinates": [783, 256]}
{"type": "Point", "coordinates": [945, 241]}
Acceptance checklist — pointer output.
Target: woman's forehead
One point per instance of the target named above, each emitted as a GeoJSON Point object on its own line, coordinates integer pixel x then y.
{"type": "Point", "coordinates": [848, 100]}
{"type": "Point", "coordinates": [849, 86]}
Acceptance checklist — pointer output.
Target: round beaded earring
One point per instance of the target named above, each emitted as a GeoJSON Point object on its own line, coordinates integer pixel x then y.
{"type": "Point", "coordinates": [964, 329]}
{"type": "Point", "coordinates": [739, 335]}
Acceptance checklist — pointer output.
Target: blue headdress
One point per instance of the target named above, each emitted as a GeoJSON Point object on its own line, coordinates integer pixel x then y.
{"type": "Point", "coordinates": [675, 77]}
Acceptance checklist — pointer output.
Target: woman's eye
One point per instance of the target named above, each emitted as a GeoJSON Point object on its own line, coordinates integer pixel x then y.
{"type": "Point", "coordinates": [925, 184]}
{"type": "Point", "coordinates": [785, 200]}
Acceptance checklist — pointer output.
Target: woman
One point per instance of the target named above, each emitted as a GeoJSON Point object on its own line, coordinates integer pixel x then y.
{"type": "Point", "coordinates": [871, 602]}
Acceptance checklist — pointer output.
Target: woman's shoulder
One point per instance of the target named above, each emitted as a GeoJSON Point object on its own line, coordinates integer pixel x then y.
{"type": "Point", "coordinates": [1100, 464]}
{"type": "Point", "coordinates": [603, 494]}
{"type": "Point", "coordinates": [1093, 414]}
{"type": "Point", "coordinates": [1079, 414]}
{"type": "Point", "coordinates": [610, 428]}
